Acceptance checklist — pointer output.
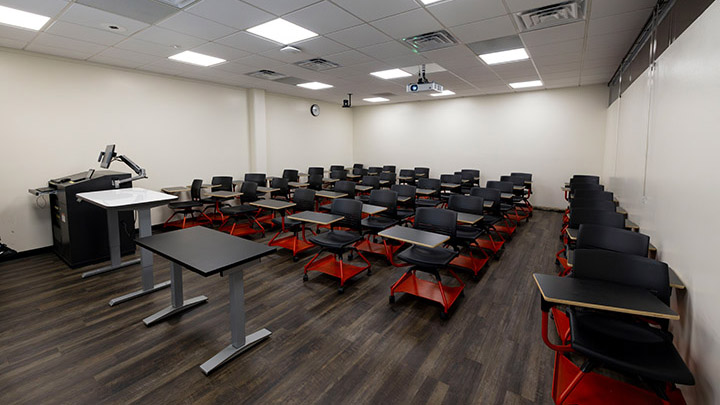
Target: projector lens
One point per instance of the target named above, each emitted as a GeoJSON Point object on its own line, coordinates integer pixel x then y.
{"type": "Point", "coordinates": [414, 87]}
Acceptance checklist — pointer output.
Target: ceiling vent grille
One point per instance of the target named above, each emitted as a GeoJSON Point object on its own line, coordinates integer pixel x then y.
{"type": "Point", "coordinates": [430, 41]}
{"type": "Point", "coordinates": [317, 64]}
{"type": "Point", "coordinates": [266, 75]}
{"type": "Point", "coordinates": [550, 16]}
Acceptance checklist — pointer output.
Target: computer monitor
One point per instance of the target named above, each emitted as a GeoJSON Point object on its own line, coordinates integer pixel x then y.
{"type": "Point", "coordinates": [106, 157]}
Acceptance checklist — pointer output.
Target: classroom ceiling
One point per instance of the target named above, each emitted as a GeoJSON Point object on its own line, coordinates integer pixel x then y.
{"type": "Point", "coordinates": [361, 36]}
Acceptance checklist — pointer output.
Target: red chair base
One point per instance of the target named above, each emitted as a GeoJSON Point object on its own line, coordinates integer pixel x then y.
{"type": "Point", "coordinates": [335, 268]}
{"type": "Point", "coordinates": [292, 243]}
{"type": "Point", "coordinates": [434, 291]}
{"type": "Point", "coordinates": [508, 228]}
{"type": "Point", "coordinates": [490, 244]}
{"type": "Point", "coordinates": [385, 249]}
{"type": "Point", "coordinates": [240, 230]}
{"type": "Point", "coordinates": [470, 262]}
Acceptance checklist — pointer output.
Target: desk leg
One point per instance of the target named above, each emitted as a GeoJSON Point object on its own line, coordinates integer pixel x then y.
{"type": "Point", "coordinates": [146, 260]}
{"type": "Point", "coordinates": [114, 239]}
{"type": "Point", "coordinates": [239, 342]}
{"type": "Point", "coordinates": [177, 304]}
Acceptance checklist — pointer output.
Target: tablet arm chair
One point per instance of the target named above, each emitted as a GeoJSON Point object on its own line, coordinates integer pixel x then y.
{"type": "Point", "coordinates": [580, 216]}
{"type": "Point", "coordinates": [432, 200]}
{"type": "Point", "coordinates": [373, 224]}
{"type": "Point", "coordinates": [407, 176]}
{"type": "Point", "coordinates": [291, 175]}
{"type": "Point", "coordinates": [221, 183]}
{"type": "Point", "coordinates": [304, 200]}
{"type": "Point", "coordinates": [236, 213]}
{"type": "Point", "coordinates": [466, 237]}
{"type": "Point", "coordinates": [495, 219]}
{"type": "Point", "coordinates": [188, 208]}
{"type": "Point", "coordinates": [405, 210]}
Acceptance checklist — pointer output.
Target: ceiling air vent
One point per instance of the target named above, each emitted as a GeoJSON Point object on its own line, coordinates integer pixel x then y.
{"type": "Point", "coordinates": [266, 74]}
{"type": "Point", "coordinates": [430, 41]}
{"type": "Point", "coordinates": [317, 64]}
{"type": "Point", "coordinates": [550, 16]}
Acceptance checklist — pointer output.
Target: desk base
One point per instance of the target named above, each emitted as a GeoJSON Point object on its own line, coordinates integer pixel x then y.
{"type": "Point", "coordinates": [229, 352]}
{"type": "Point", "coordinates": [139, 293]}
{"type": "Point", "coordinates": [172, 310]}
{"type": "Point", "coordinates": [106, 269]}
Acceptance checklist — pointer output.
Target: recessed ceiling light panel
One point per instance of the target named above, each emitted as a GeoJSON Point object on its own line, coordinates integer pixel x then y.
{"type": "Point", "coordinates": [315, 85]}
{"type": "Point", "coordinates": [195, 58]}
{"type": "Point", "coordinates": [391, 74]}
{"type": "Point", "coordinates": [22, 19]}
{"type": "Point", "coordinates": [512, 55]}
{"type": "Point", "coordinates": [376, 99]}
{"type": "Point", "coordinates": [524, 85]}
{"type": "Point", "coordinates": [281, 31]}
{"type": "Point", "coordinates": [443, 93]}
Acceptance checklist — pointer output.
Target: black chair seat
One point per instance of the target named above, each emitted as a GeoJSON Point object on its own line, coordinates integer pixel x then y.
{"type": "Point", "coordinates": [490, 220]}
{"type": "Point", "coordinates": [506, 207]}
{"type": "Point", "coordinates": [181, 205]}
{"type": "Point", "coordinates": [364, 198]}
{"type": "Point", "coordinates": [628, 346]}
{"type": "Point", "coordinates": [213, 200]}
{"type": "Point", "coordinates": [378, 223]}
{"type": "Point", "coordinates": [238, 209]}
{"type": "Point", "coordinates": [468, 233]}
{"type": "Point", "coordinates": [290, 224]}
{"type": "Point", "coordinates": [335, 239]}
{"type": "Point", "coordinates": [427, 257]}
{"type": "Point", "coordinates": [426, 202]}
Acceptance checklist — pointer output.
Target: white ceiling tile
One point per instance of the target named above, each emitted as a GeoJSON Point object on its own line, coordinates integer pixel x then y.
{"type": "Point", "coordinates": [386, 50]}
{"type": "Point", "coordinates": [349, 58]}
{"type": "Point", "coordinates": [260, 62]}
{"type": "Point", "coordinates": [522, 5]}
{"type": "Point", "coordinates": [150, 48]}
{"type": "Point", "coordinates": [320, 46]}
{"type": "Point", "coordinates": [232, 13]}
{"type": "Point", "coordinates": [564, 82]}
{"type": "Point", "coordinates": [545, 77]}
{"type": "Point", "coordinates": [106, 60]}
{"type": "Point", "coordinates": [54, 41]}
{"type": "Point", "coordinates": [617, 40]}
{"type": "Point", "coordinates": [627, 21]}
{"type": "Point", "coordinates": [405, 60]}
{"type": "Point", "coordinates": [557, 68]}
{"type": "Point", "coordinates": [322, 18]}
{"type": "Point", "coordinates": [17, 34]}
{"type": "Point", "coordinates": [195, 26]}
{"type": "Point", "coordinates": [550, 35]}
{"type": "Point", "coordinates": [48, 8]}
{"type": "Point", "coordinates": [248, 42]}
{"type": "Point", "coordinates": [165, 66]}
{"type": "Point", "coordinates": [236, 67]}
{"type": "Point", "coordinates": [359, 36]}
{"type": "Point", "coordinates": [12, 43]}
{"type": "Point", "coordinates": [606, 8]}
{"type": "Point", "coordinates": [459, 12]}
{"type": "Point", "coordinates": [139, 58]}
{"type": "Point", "coordinates": [557, 59]}
{"type": "Point", "coordinates": [408, 24]}
{"type": "Point", "coordinates": [280, 7]}
{"type": "Point", "coordinates": [64, 52]}
{"type": "Point", "coordinates": [220, 51]}
{"type": "Point", "coordinates": [515, 68]}
{"type": "Point", "coordinates": [94, 18]}
{"type": "Point", "coordinates": [557, 48]}
{"type": "Point", "coordinates": [486, 29]}
{"type": "Point", "coordinates": [285, 56]}
{"type": "Point", "coordinates": [596, 79]}
{"type": "Point", "coordinates": [83, 33]}
{"type": "Point", "coordinates": [370, 10]}
{"type": "Point", "coordinates": [163, 36]}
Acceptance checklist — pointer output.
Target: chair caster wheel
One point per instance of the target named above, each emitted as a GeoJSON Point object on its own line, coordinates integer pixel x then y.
{"type": "Point", "coordinates": [295, 258]}
{"type": "Point", "coordinates": [369, 272]}
{"type": "Point", "coordinates": [341, 290]}
{"type": "Point", "coordinates": [443, 315]}
{"type": "Point", "coordinates": [350, 256]}
{"type": "Point", "coordinates": [392, 299]}
{"type": "Point", "coordinates": [557, 262]}
{"type": "Point", "coordinates": [462, 293]}
{"type": "Point", "coordinates": [305, 277]}
{"type": "Point", "coordinates": [475, 278]}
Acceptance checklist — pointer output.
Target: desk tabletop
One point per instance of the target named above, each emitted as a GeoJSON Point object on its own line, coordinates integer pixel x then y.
{"type": "Point", "coordinates": [404, 198]}
{"type": "Point", "coordinates": [313, 217]}
{"type": "Point", "coordinates": [204, 251]}
{"type": "Point", "coordinates": [621, 210]}
{"type": "Point", "coordinates": [297, 184]}
{"type": "Point", "coordinates": [126, 198]}
{"type": "Point", "coordinates": [224, 194]}
{"type": "Point", "coordinates": [238, 182]}
{"type": "Point", "coordinates": [518, 188]}
{"type": "Point", "coordinates": [267, 189]}
{"type": "Point", "coordinates": [373, 209]}
{"type": "Point", "coordinates": [449, 185]}
{"type": "Point", "coordinates": [414, 236]}
{"type": "Point", "coordinates": [329, 194]}
{"type": "Point", "coordinates": [361, 187]}
{"type": "Point", "coordinates": [404, 178]}
{"type": "Point", "coordinates": [487, 204]}
{"type": "Point", "coordinates": [273, 204]}
{"type": "Point", "coordinates": [602, 295]}
{"type": "Point", "coordinates": [384, 181]}
{"type": "Point", "coordinates": [507, 196]}
{"type": "Point", "coordinates": [465, 218]}
{"type": "Point", "coordinates": [329, 180]}
{"type": "Point", "coordinates": [631, 225]}
{"type": "Point", "coordinates": [571, 233]}
{"type": "Point", "coordinates": [424, 191]}
{"type": "Point", "coordinates": [174, 190]}
{"type": "Point", "coordinates": [207, 185]}
{"type": "Point", "coordinates": [675, 281]}
{"type": "Point", "coordinates": [353, 176]}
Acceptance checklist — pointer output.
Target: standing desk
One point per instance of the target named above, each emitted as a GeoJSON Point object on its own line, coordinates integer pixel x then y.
{"type": "Point", "coordinates": [208, 252]}
{"type": "Point", "coordinates": [128, 199]}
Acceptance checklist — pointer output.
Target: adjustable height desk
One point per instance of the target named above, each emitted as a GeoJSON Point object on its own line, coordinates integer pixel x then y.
{"type": "Point", "coordinates": [128, 199]}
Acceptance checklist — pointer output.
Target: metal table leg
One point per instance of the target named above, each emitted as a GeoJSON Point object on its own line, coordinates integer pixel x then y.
{"type": "Point", "coordinates": [114, 239]}
{"type": "Point", "coordinates": [177, 304]}
{"type": "Point", "coordinates": [239, 341]}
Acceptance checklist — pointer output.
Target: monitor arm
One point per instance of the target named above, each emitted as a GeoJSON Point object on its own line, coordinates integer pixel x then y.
{"type": "Point", "coordinates": [141, 174]}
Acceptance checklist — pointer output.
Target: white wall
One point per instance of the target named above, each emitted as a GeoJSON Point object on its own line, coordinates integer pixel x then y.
{"type": "Point", "coordinates": [297, 140]}
{"type": "Point", "coordinates": [57, 116]}
{"type": "Point", "coordinates": [551, 134]}
{"type": "Point", "coordinates": [674, 112]}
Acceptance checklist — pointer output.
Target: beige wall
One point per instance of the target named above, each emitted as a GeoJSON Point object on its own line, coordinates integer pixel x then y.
{"type": "Point", "coordinates": [551, 134]}
{"type": "Point", "coordinates": [671, 116]}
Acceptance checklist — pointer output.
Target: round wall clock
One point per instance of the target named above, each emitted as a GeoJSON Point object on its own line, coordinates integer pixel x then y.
{"type": "Point", "coordinates": [315, 110]}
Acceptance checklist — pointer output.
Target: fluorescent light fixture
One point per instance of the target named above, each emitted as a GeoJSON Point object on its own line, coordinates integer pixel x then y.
{"type": "Point", "coordinates": [282, 31]}
{"type": "Point", "coordinates": [391, 74]}
{"type": "Point", "coordinates": [376, 99]}
{"type": "Point", "coordinates": [22, 19]}
{"type": "Point", "coordinates": [512, 55]}
{"type": "Point", "coordinates": [426, 2]}
{"type": "Point", "coordinates": [523, 85]}
{"type": "Point", "coordinates": [443, 93]}
{"type": "Point", "coordinates": [315, 85]}
{"type": "Point", "coordinates": [195, 58]}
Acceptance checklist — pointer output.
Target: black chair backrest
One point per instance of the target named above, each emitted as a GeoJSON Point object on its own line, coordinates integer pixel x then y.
{"type": "Point", "coordinates": [316, 170]}
{"type": "Point", "coordinates": [466, 203]}
{"type": "Point", "coordinates": [389, 168]}
{"type": "Point", "coordinates": [515, 180]}
{"type": "Point", "coordinates": [315, 181]}
{"type": "Point", "coordinates": [591, 236]}
{"type": "Point", "coordinates": [580, 216]}
{"type": "Point", "coordinates": [593, 204]}
{"type": "Point", "coordinates": [358, 171]}
{"type": "Point", "coordinates": [407, 173]}
{"type": "Point", "coordinates": [390, 177]}
{"type": "Point", "coordinates": [621, 268]}
{"type": "Point", "coordinates": [585, 186]}
{"type": "Point", "coordinates": [593, 194]}
{"type": "Point", "coordinates": [584, 178]}
{"type": "Point", "coordinates": [404, 190]}
{"type": "Point", "coordinates": [291, 175]}
{"type": "Point", "coordinates": [468, 176]}
{"type": "Point", "coordinates": [358, 166]}
{"type": "Point", "coordinates": [225, 182]}
{"type": "Point", "coordinates": [436, 220]}
{"type": "Point", "coordinates": [351, 209]}
{"type": "Point", "coordinates": [258, 178]}
{"type": "Point", "coordinates": [525, 176]}
{"type": "Point", "coordinates": [196, 189]}
{"type": "Point", "coordinates": [431, 184]}
{"type": "Point", "coordinates": [304, 199]}
{"type": "Point", "coordinates": [451, 178]}
{"type": "Point", "coordinates": [249, 192]}
{"type": "Point", "coordinates": [282, 184]}
{"type": "Point", "coordinates": [474, 172]}
{"type": "Point", "coordinates": [488, 194]}
{"type": "Point", "coordinates": [422, 172]}
{"type": "Point", "coordinates": [385, 198]}
{"type": "Point", "coordinates": [337, 167]}
{"type": "Point", "coordinates": [503, 186]}
{"type": "Point", "coordinates": [373, 181]}
{"type": "Point", "coordinates": [338, 174]}
{"type": "Point", "coordinates": [374, 170]}
{"type": "Point", "coordinates": [347, 187]}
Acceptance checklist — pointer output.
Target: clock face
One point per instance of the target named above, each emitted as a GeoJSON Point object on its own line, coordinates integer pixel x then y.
{"type": "Point", "coordinates": [315, 110]}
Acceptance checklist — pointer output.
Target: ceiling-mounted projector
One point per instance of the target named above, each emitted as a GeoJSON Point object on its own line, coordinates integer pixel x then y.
{"type": "Point", "coordinates": [423, 84]}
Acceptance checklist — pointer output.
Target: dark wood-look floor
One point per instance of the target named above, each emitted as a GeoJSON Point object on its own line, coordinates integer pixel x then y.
{"type": "Point", "coordinates": [60, 342]}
